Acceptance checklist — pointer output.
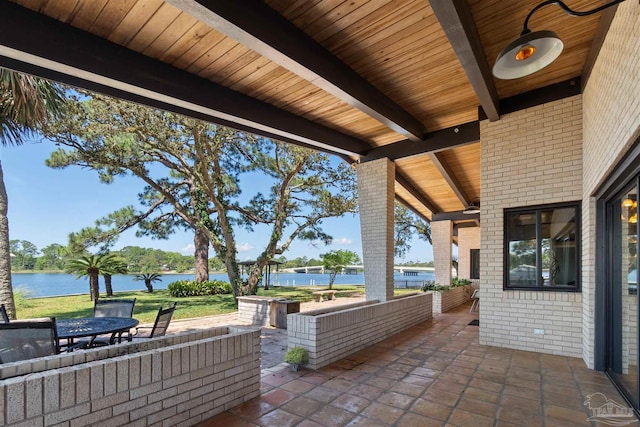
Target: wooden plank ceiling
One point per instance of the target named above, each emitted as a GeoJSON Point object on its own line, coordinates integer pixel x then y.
{"type": "Point", "coordinates": [364, 79]}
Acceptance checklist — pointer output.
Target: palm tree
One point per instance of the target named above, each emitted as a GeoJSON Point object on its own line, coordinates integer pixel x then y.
{"type": "Point", "coordinates": [25, 103]}
{"type": "Point", "coordinates": [148, 278]}
{"type": "Point", "coordinates": [111, 266]}
{"type": "Point", "coordinates": [92, 266]}
{"type": "Point", "coordinates": [86, 265]}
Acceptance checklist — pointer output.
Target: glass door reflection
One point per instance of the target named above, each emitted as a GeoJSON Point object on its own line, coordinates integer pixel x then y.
{"type": "Point", "coordinates": [624, 297]}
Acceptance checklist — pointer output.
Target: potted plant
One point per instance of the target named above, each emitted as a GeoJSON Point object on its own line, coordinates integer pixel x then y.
{"type": "Point", "coordinates": [296, 356]}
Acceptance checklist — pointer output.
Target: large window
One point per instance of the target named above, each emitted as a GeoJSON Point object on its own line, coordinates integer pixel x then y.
{"type": "Point", "coordinates": [542, 248]}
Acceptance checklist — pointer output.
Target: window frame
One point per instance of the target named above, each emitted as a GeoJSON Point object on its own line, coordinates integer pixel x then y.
{"type": "Point", "coordinates": [474, 264]}
{"type": "Point", "coordinates": [536, 210]}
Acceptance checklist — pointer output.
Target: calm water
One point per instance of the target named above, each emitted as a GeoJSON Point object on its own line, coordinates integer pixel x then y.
{"type": "Point", "coordinates": [41, 285]}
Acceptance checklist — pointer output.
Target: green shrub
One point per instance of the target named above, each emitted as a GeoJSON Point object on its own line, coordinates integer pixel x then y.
{"type": "Point", "coordinates": [22, 297]}
{"type": "Point", "coordinates": [227, 289]}
{"type": "Point", "coordinates": [191, 288]}
{"type": "Point", "coordinates": [456, 282]}
{"type": "Point", "coordinates": [431, 285]}
{"type": "Point", "coordinates": [297, 356]}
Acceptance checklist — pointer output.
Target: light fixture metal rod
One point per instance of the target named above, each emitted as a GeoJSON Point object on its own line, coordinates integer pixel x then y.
{"type": "Point", "coordinates": [567, 9]}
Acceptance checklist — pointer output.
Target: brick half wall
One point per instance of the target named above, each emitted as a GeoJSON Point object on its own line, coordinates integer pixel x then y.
{"type": "Point", "coordinates": [181, 384]}
{"type": "Point", "coordinates": [333, 336]}
{"type": "Point", "coordinates": [254, 310]}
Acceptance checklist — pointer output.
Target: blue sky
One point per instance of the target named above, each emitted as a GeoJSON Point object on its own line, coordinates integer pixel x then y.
{"type": "Point", "coordinates": [46, 204]}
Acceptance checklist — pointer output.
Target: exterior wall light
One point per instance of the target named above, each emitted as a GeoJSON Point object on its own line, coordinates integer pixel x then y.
{"type": "Point", "coordinates": [471, 209]}
{"type": "Point", "coordinates": [533, 51]}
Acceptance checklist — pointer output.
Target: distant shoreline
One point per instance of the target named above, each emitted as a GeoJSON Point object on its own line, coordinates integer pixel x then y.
{"type": "Point", "coordinates": [43, 284]}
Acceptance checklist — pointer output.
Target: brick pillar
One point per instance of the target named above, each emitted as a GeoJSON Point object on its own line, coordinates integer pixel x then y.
{"type": "Point", "coordinates": [442, 238]}
{"type": "Point", "coordinates": [376, 195]}
{"type": "Point", "coordinates": [468, 238]}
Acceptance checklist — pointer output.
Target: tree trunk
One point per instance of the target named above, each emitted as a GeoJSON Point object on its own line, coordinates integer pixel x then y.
{"type": "Point", "coordinates": [107, 285]}
{"type": "Point", "coordinates": [230, 262]}
{"type": "Point", "coordinates": [147, 283]}
{"type": "Point", "coordinates": [6, 290]}
{"type": "Point", "coordinates": [201, 242]}
{"type": "Point", "coordinates": [254, 278]}
{"type": "Point", "coordinates": [267, 255]}
{"type": "Point", "coordinates": [332, 277]}
{"type": "Point", "coordinates": [93, 286]}
{"type": "Point", "coordinates": [227, 253]}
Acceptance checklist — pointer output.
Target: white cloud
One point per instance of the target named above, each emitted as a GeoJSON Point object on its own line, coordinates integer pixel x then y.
{"type": "Point", "coordinates": [245, 247]}
{"type": "Point", "coordinates": [342, 241]}
{"type": "Point", "coordinates": [189, 249]}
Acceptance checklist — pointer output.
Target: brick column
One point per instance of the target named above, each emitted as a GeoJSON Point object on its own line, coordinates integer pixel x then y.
{"type": "Point", "coordinates": [468, 238]}
{"type": "Point", "coordinates": [442, 237]}
{"type": "Point", "coordinates": [376, 194]}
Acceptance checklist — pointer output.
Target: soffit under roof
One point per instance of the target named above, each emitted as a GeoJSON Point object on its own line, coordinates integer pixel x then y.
{"type": "Point", "coordinates": [398, 47]}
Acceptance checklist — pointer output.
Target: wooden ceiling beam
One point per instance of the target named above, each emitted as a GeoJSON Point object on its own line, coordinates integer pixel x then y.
{"type": "Point", "coordinates": [27, 68]}
{"type": "Point", "coordinates": [455, 216]}
{"type": "Point", "coordinates": [447, 173]}
{"type": "Point", "coordinates": [402, 180]}
{"type": "Point", "coordinates": [434, 142]}
{"type": "Point", "coordinates": [258, 27]}
{"type": "Point", "coordinates": [458, 24]}
{"type": "Point", "coordinates": [543, 95]}
{"type": "Point", "coordinates": [74, 56]}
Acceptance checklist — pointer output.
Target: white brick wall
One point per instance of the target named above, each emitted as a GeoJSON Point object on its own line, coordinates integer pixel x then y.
{"type": "Point", "coordinates": [335, 335]}
{"type": "Point", "coordinates": [442, 238]}
{"type": "Point", "coordinates": [254, 310]}
{"type": "Point", "coordinates": [180, 384]}
{"type": "Point", "coordinates": [611, 114]}
{"type": "Point", "coordinates": [529, 157]}
{"type": "Point", "coordinates": [8, 370]}
{"type": "Point", "coordinates": [468, 238]}
{"type": "Point", "coordinates": [445, 301]}
{"type": "Point", "coordinates": [376, 194]}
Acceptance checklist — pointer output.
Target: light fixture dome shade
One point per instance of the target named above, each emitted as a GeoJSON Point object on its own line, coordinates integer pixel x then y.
{"type": "Point", "coordinates": [548, 47]}
{"type": "Point", "coordinates": [471, 209]}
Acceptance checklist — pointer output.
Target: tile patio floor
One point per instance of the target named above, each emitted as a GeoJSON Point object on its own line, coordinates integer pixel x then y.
{"type": "Point", "coordinates": [434, 374]}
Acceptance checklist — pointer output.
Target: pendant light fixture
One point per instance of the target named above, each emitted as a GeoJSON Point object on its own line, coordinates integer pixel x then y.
{"type": "Point", "coordinates": [533, 51]}
{"type": "Point", "coordinates": [471, 209]}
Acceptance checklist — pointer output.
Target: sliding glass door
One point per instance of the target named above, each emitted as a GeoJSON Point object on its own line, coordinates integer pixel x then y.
{"type": "Point", "coordinates": [622, 291]}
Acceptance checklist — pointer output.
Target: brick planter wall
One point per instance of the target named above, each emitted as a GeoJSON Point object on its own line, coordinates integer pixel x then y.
{"type": "Point", "coordinates": [254, 310]}
{"type": "Point", "coordinates": [446, 300]}
{"type": "Point", "coordinates": [181, 384]}
{"type": "Point", "coordinates": [8, 370]}
{"type": "Point", "coordinates": [333, 336]}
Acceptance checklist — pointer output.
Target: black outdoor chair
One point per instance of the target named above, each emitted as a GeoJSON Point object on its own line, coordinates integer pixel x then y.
{"type": "Point", "coordinates": [160, 326]}
{"type": "Point", "coordinates": [28, 339]}
{"type": "Point", "coordinates": [4, 317]}
{"type": "Point", "coordinates": [112, 308]}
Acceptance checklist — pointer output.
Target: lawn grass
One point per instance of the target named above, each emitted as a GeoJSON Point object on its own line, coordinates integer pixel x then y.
{"type": "Point", "coordinates": [147, 304]}
{"type": "Point", "coordinates": [146, 308]}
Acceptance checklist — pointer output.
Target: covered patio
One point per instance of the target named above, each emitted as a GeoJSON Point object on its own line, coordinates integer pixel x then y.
{"type": "Point", "coordinates": [433, 374]}
{"type": "Point", "coordinates": [403, 90]}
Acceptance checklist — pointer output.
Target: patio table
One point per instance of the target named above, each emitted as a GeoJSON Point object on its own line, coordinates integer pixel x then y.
{"type": "Point", "coordinates": [70, 329]}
